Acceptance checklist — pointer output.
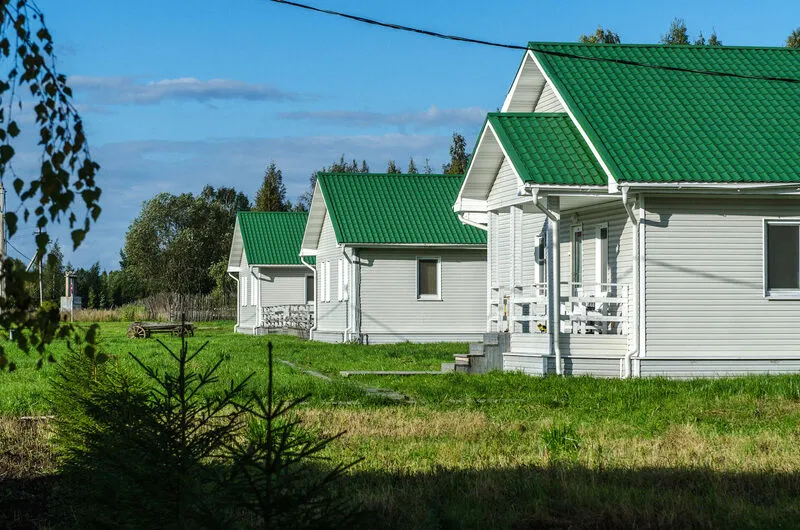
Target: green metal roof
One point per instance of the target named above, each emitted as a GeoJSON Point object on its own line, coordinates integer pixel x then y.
{"type": "Point", "coordinates": [652, 124]}
{"type": "Point", "coordinates": [272, 238]}
{"type": "Point", "coordinates": [368, 208]}
{"type": "Point", "coordinates": [547, 149]}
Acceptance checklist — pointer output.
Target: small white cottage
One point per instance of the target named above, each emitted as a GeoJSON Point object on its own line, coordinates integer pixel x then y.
{"type": "Point", "coordinates": [276, 290]}
{"type": "Point", "coordinates": [393, 262]}
{"type": "Point", "coordinates": [642, 205]}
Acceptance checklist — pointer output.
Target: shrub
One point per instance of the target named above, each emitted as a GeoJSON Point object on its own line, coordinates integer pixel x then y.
{"type": "Point", "coordinates": [154, 452]}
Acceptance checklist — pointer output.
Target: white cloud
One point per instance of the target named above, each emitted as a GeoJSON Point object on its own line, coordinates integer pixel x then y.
{"type": "Point", "coordinates": [133, 172]}
{"type": "Point", "coordinates": [127, 90]}
{"type": "Point", "coordinates": [433, 117]}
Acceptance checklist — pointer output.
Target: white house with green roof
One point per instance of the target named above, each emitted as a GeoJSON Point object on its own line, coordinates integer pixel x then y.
{"type": "Point", "coordinates": [273, 283]}
{"type": "Point", "coordinates": [393, 262]}
{"type": "Point", "coordinates": [642, 206]}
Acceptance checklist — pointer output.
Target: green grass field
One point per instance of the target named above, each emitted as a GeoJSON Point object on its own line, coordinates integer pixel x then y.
{"type": "Point", "coordinates": [508, 450]}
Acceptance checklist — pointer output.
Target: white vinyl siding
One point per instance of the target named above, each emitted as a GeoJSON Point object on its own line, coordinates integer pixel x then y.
{"type": "Point", "coordinates": [340, 278]}
{"type": "Point", "coordinates": [389, 304]}
{"type": "Point", "coordinates": [705, 280]}
{"type": "Point", "coordinates": [782, 258]}
{"type": "Point", "coordinates": [243, 289]}
{"type": "Point", "coordinates": [283, 286]}
{"type": "Point", "coordinates": [548, 101]}
{"type": "Point", "coordinates": [504, 189]}
{"type": "Point", "coordinates": [332, 314]}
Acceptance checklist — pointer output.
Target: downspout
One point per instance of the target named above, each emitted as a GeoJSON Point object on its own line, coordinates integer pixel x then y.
{"type": "Point", "coordinates": [353, 298]}
{"type": "Point", "coordinates": [316, 297]}
{"type": "Point", "coordinates": [555, 290]}
{"type": "Point", "coordinates": [633, 351]}
{"type": "Point", "coordinates": [238, 302]}
{"type": "Point", "coordinates": [553, 274]}
{"type": "Point", "coordinates": [257, 285]}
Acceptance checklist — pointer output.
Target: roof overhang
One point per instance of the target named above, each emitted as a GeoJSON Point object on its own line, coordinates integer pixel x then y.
{"type": "Point", "coordinates": [415, 245]}
{"type": "Point", "coordinates": [482, 172]}
{"type": "Point", "coordinates": [237, 248]}
{"type": "Point", "coordinates": [316, 220]}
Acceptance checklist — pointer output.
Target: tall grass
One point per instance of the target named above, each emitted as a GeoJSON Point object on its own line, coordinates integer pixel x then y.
{"type": "Point", "coordinates": [126, 313]}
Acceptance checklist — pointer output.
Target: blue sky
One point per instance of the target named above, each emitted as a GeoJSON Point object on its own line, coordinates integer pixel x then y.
{"type": "Point", "coordinates": [179, 94]}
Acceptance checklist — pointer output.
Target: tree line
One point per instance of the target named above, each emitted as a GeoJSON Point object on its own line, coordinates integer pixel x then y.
{"type": "Point", "coordinates": [677, 34]}
{"type": "Point", "coordinates": [180, 243]}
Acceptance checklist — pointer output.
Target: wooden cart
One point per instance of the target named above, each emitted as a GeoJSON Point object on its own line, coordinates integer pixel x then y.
{"type": "Point", "coordinates": [143, 330]}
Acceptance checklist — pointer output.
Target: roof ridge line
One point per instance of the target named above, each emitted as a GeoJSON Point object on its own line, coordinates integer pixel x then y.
{"type": "Point", "coordinates": [660, 45]}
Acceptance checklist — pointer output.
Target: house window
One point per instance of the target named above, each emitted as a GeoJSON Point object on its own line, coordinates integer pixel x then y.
{"type": "Point", "coordinates": [243, 294]}
{"type": "Point", "coordinates": [782, 258]}
{"type": "Point", "coordinates": [577, 256]}
{"type": "Point", "coordinates": [601, 259]}
{"type": "Point", "coordinates": [428, 278]}
{"type": "Point", "coordinates": [309, 289]}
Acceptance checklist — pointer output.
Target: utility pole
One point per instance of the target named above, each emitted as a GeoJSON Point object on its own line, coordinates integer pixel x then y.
{"type": "Point", "coordinates": [41, 293]}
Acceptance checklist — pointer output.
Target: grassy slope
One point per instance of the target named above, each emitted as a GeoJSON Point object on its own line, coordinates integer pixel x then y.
{"type": "Point", "coordinates": [510, 450]}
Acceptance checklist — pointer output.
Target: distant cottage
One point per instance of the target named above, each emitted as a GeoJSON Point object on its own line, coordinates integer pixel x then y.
{"type": "Point", "coordinates": [393, 262]}
{"type": "Point", "coordinates": [274, 284]}
{"type": "Point", "coordinates": [643, 217]}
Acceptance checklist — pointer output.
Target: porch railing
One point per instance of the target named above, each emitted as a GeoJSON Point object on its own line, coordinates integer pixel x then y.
{"type": "Point", "coordinates": [601, 309]}
{"type": "Point", "coordinates": [297, 316]}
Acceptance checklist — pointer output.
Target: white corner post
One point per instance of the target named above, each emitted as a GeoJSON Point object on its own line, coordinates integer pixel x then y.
{"type": "Point", "coordinates": [316, 296]}
{"type": "Point", "coordinates": [554, 278]}
{"type": "Point", "coordinates": [633, 348]}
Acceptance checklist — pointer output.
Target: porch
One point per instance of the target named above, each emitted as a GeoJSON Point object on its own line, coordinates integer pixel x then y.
{"type": "Point", "coordinates": [288, 319]}
{"type": "Point", "coordinates": [594, 333]}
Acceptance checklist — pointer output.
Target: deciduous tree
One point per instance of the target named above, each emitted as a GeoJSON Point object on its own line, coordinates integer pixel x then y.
{"type": "Point", "coordinates": [600, 36]}
{"type": "Point", "coordinates": [391, 167]}
{"type": "Point", "coordinates": [793, 40]}
{"type": "Point", "coordinates": [29, 80]}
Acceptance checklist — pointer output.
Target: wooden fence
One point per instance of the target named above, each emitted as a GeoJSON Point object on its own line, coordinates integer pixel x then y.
{"type": "Point", "coordinates": [193, 307]}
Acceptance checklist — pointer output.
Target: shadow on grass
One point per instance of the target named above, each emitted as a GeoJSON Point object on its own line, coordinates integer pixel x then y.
{"type": "Point", "coordinates": [551, 497]}
{"type": "Point", "coordinates": [576, 497]}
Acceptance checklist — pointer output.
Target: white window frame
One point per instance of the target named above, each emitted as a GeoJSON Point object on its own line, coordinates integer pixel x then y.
{"type": "Point", "coordinates": [346, 279]}
{"type": "Point", "coordinates": [314, 289]}
{"type": "Point", "coordinates": [253, 288]}
{"type": "Point", "coordinates": [574, 229]}
{"type": "Point", "coordinates": [779, 293]}
{"type": "Point", "coordinates": [243, 289]}
{"type": "Point", "coordinates": [327, 281]}
{"type": "Point", "coordinates": [340, 282]}
{"type": "Point", "coordinates": [602, 271]}
{"type": "Point", "coordinates": [429, 297]}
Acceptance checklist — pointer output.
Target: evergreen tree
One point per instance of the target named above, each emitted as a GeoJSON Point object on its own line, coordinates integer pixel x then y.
{"type": "Point", "coordinates": [459, 159]}
{"type": "Point", "coordinates": [304, 201]}
{"type": "Point", "coordinates": [392, 168]}
{"type": "Point", "coordinates": [427, 169]}
{"type": "Point", "coordinates": [600, 36]}
{"type": "Point", "coordinates": [412, 167]}
{"type": "Point", "coordinates": [677, 33]}
{"type": "Point", "coordinates": [793, 40]}
{"type": "Point", "coordinates": [271, 196]}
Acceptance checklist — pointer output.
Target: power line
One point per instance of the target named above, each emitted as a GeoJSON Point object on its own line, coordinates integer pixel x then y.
{"type": "Point", "coordinates": [10, 244]}
{"type": "Point", "coordinates": [555, 53]}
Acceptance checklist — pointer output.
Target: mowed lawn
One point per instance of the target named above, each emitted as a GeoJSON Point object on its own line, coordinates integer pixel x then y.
{"type": "Point", "coordinates": [506, 450]}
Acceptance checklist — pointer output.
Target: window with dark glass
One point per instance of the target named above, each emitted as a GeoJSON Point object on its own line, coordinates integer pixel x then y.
{"type": "Point", "coordinates": [309, 289]}
{"type": "Point", "coordinates": [783, 256]}
{"type": "Point", "coordinates": [427, 278]}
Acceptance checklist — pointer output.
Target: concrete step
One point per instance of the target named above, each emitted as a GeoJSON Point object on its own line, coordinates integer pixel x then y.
{"type": "Point", "coordinates": [476, 348]}
{"type": "Point", "coordinates": [448, 367]}
{"type": "Point", "coordinates": [461, 360]}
